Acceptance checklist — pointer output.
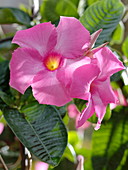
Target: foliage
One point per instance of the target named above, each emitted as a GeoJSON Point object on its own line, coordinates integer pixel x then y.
{"type": "Point", "coordinates": [41, 128]}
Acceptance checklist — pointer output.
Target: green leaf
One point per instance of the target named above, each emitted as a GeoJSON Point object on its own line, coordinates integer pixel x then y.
{"type": "Point", "coordinates": [4, 75]}
{"type": "Point", "coordinates": [90, 2]}
{"type": "Point", "coordinates": [103, 14]}
{"type": "Point", "coordinates": [40, 129]}
{"type": "Point", "coordinates": [14, 15]}
{"type": "Point", "coordinates": [125, 47]}
{"type": "Point", "coordinates": [111, 141]}
{"type": "Point", "coordinates": [118, 34]}
{"type": "Point", "coordinates": [51, 10]}
{"type": "Point", "coordinates": [6, 98]}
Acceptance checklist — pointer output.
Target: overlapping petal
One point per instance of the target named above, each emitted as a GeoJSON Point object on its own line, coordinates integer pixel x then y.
{"type": "Point", "coordinates": [25, 63]}
{"type": "Point", "coordinates": [48, 90]}
{"type": "Point", "coordinates": [72, 36]}
{"type": "Point", "coordinates": [108, 63]}
{"type": "Point", "coordinates": [41, 37]}
{"type": "Point", "coordinates": [105, 91]}
{"type": "Point", "coordinates": [87, 112]}
{"type": "Point", "coordinates": [65, 74]}
{"type": "Point", "coordinates": [100, 108]}
{"type": "Point", "coordinates": [82, 79]}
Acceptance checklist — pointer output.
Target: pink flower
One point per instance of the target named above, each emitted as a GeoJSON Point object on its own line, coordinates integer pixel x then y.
{"type": "Point", "coordinates": [1, 128]}
{"type": "Point", "coordinates": [41, 165]}
{"type": "Point", "coordinates": [80, 160]}
{"type": "Point", "coordinates": [44, 51]}
{"type": "Point", "coordinates": [97, 91]}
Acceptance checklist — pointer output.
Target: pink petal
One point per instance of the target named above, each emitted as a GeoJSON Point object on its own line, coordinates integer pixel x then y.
{"type": "Point", "coordinates": [41, 165]}
{"type": "Point", "coordinates": [65, 73]}
{"type": "Point", "coordinates": [87, 112]}
{"type": "Point", "coordinates": [48, 90]}
{"type": "Point", "coordinates": [80, 165]}
{"type": "Point", "coordinates": [72, 111]}
{"type": "Point", "coordinates": [41, 37]}
{"type": "Point", "coordinates": [25, 63]}
{"type": "Point", "coordinates": [82, 79]}
{"type": "Point", "coordinates": [72, 36]}
{"type": "Point", "coordinates": [100, 108]}
{"type": "Point", "coordinates": [1, 128]}
{"type": "Point", "coordinates": [108, 63]}
{"type": "Point", "coordinates": [105, 91]}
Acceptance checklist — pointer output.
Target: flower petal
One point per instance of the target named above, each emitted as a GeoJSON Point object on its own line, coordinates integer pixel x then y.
{"type": "Point", "coordinates": [105, 91]}
{"type": "Point", "coordinates": [72, 36]}
{"type": "Point", "coordinates": [87, 112]}
{"type": "Point", "coordinates": [25, 63]}
{"type": "Point", "coordinates": [82, 79]}
{"type": "Point", "coordinates": [48, 90]}
{"type": "Point", "coordinates": [41, 37]}
{"type": "Point", "coordinates": [100, 108]}
{"type": "Point", "coordinates": [108, 63]}
{"type": "Point", "coordinates": [65, 73]}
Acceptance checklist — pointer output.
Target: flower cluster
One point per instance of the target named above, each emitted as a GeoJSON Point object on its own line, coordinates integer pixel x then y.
{"type": "Point", "coordinates": [60, 64]}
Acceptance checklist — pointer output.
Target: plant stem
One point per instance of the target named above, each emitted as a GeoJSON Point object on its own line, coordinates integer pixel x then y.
{"type": "Point", "coordinates": [22, 152]}
{"type": "Point", "coordinates": [3, 163]}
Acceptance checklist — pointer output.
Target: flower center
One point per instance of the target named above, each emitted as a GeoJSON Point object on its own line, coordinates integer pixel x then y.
{"type": "Point", "coordinates": [52, 61]}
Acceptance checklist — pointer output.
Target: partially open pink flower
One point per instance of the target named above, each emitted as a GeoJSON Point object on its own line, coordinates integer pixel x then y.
{"type": "Point", "coordinates": [41, 166]}
{"type": "Point", "coordinates": [98, 91]}
{"type": "Point", "coordinates": [44, 51]}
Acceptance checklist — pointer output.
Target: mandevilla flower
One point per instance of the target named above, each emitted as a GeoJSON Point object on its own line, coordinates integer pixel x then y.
{"type": "Point", "coordinates": [98, 91]}
{"type": "Point", "coordinates": [44, 50]}
{"type": "Point", "coordinates": [60, 64]}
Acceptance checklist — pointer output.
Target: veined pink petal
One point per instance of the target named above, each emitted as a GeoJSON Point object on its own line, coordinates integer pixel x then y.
{"type": "Point", "coordinates": [41, 37]}
{"type": "Point", "coordinates": [100, 108]}
{"type": "Point", "coordinates": [24, 65]}
{"type": "Point", "coordinates": [82, 79]}
{"type": "Point", "coordinates": [105, 91]}
{"type": "Point", "coordinates": [108, 63]}
{"type": "Point", "coordinates": [87, 112]}
{"type": "Point", "coordinates": [72, 36]}
{"type": "Point", "coordinates": [48, 90]}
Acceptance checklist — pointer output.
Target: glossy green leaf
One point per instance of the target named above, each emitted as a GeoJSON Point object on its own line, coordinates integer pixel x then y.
{"type": "Point", "coordinates": [51, 10]}
{"type": "Point", "coordinates": [125, 47]}
{"type": "Point", "coordinates": [103, 14]}
{"type": "Point", "coordinates": [118, 34]}
{"type": "Point", "coordinates": [40, 129]}
{"type": "Point", "coordinates": [110, 143]}
{"type": "Point", "coordinates": [14, 15]}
